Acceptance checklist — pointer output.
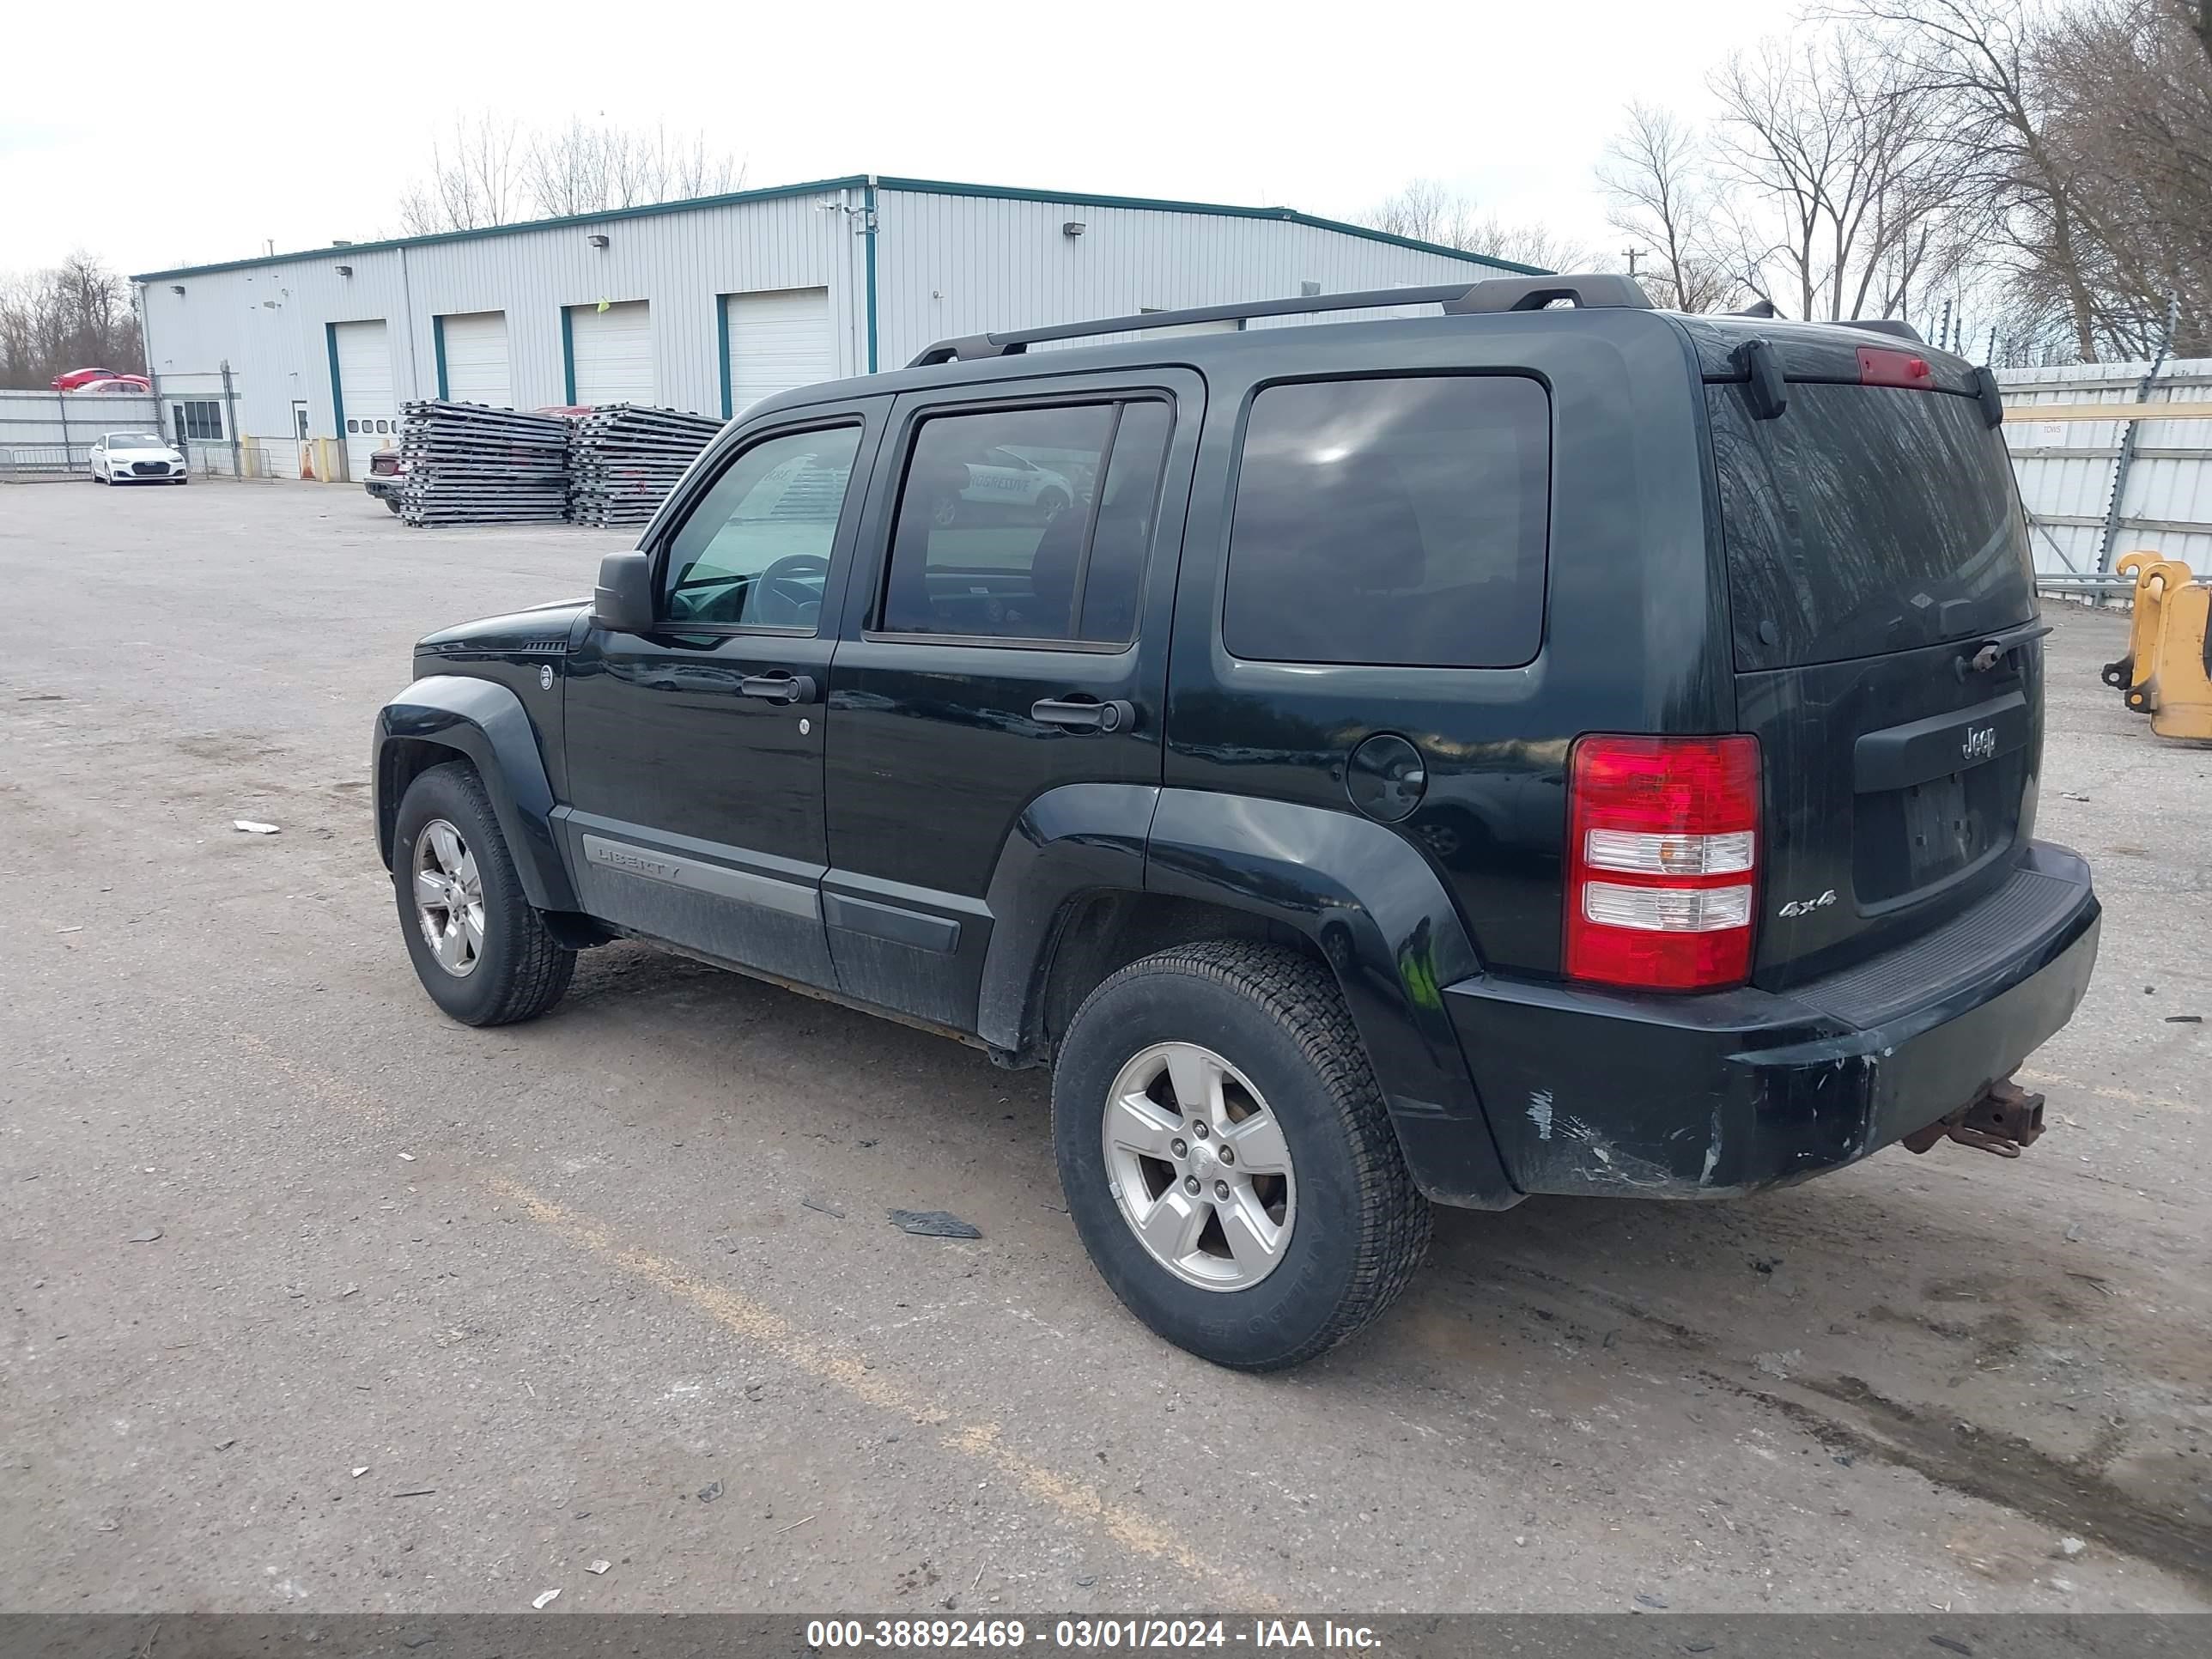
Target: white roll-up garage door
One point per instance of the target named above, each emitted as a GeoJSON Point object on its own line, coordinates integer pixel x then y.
{"type": "Point", "coordinates": [371, 414]}
{"type": "Point", "coordinates": [612, 350]}
{"type": "Point", "coordinates": [779, 341]}
{"type": "Point", "coordinates": [475, 347]}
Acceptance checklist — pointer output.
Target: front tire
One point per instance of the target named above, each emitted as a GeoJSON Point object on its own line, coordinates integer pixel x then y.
{"type": "Point", "coordinates": [478, 945]}
{"type": "Point", "coordinates": [1227, 1158]}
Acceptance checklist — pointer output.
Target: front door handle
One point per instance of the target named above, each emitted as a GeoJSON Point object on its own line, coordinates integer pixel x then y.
{"type": "Point", "coordinates": [1084, 716]}
{"type": "Point", "coordinates": [777, 688]}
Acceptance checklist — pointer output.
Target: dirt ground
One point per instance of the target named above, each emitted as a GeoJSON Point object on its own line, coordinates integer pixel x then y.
{"type": "Point", "coordinates": [314, 1300]}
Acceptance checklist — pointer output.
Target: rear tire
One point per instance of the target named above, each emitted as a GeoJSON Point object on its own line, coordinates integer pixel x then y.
{"type": "Point", "coordinates": [478, 945]}
{"type": "Point", "coordinates": [1242, 1033]}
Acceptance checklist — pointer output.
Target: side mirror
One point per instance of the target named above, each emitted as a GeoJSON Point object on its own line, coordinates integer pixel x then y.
{"type": "Point", "coordinates": [623, 603]}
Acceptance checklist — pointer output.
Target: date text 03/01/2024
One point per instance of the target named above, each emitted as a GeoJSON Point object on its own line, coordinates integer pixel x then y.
{"type": "Point", "coordinates": [1258, 1636]}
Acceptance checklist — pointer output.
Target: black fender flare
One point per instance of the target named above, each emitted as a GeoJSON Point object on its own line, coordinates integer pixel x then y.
{"type": "Point", "coordinates": [1074, 840]}
{"type": "Point", "coordinates": [486, 722]}
{"type": "Point", "coordinates": [1366, 897]}
{"type": "Point", "coordinates": [1371, 902]}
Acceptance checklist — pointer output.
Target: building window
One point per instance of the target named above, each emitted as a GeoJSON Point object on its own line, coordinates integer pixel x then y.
{"type": "Point", "coordinates": [200, 419]}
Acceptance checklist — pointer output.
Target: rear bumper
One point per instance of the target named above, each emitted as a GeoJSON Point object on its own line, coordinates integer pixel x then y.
{"type": "Point", "coordinates": [1591, 1092]}
{"type": "Point", "coordinates": [381, 485]}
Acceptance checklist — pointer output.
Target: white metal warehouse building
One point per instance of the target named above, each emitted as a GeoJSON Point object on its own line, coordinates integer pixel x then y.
{"type": "Point", "coordinates": [707, 305]}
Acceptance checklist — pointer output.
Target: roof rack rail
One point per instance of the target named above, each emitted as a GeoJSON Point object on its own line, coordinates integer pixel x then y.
{"type": "Point", "coordinates": [1595, 289]}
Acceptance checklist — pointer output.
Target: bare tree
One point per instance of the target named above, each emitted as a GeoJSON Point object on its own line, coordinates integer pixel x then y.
{"type": "Point", "coordinates": [2127, 87]}
{"type": "Point", "coordinates": [1427, 210]}
{"type": "Point", "coordinates": [1842, 205]}
{"type": "Point", "coordinates": [1978, 57]}
{"type": "Point", "coordinates": [475, 179]}
{"type": "Point", "coordinates": [76, 315]}
{"type": "Point", "coordinates": [1655, 180]}
{"type": "Point", "coordinates": [491, 172]}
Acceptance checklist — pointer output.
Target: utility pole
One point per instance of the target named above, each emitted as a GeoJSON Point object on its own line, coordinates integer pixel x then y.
{"type": "Point", "coordinates": [1632, 254]}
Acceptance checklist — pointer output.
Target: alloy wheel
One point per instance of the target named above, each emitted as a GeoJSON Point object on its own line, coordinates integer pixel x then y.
{"type": "Point", "coordinates": [1199, 1166]}
{"type": "Point", "coordinates": [449, 905]}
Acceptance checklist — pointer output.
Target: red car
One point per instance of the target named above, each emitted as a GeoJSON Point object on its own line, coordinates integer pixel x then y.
{"type": "Point", "coordinates": [78, 377]}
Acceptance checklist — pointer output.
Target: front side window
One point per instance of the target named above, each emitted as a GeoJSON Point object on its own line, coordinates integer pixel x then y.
{"type": "Point", "coordinates": [1392, 521]}
{"type": "Point", "coordinates": [1029, 524]}
{"type": "Point", "coordinates": [755, 551]}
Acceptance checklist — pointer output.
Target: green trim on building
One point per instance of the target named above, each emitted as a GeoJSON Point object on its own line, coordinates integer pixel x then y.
{"type": "Point", "coordinates": [438, 350]}
{"type": "Point", "coordinates": [1156, 204]}
{"type": "Point", "coordinates": [868, 235]}
{"type": "Point", "coordinates": [337, 391]}
{"type": "Point", "coordinates": [722, 346]}
{"type": "Point", "coordinates": [609, 216]}
{"type": "Point", "coordinates": [568, 356]}
{"type": "Point", "coordinates": [870, 185]}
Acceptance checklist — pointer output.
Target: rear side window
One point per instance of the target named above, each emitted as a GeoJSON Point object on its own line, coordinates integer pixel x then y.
{"type": "Point", "coordinates": [1392, 521]}
{"type": "Point", "coordinates": [1865, 520]}
{"type": "Point", "coordinates": [1028, 524]}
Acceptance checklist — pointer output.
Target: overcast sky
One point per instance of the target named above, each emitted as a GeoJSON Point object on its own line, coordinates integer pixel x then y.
{"type": "Point", "coordinates": [203, 133]}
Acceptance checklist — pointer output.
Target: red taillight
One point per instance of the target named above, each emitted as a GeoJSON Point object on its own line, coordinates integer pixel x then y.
{"type": "Point", "coordinates": [1662, 863]}
{"type": "Point", "coordinates": [1880, 368]}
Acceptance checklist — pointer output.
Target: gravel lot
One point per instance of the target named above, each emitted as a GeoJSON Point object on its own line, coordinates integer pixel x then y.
{"type": "Point", "coordinates": [434, 1317]}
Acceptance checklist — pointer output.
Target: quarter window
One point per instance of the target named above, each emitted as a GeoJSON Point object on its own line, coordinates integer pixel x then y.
{"type": "Point", "coordinates": [1031, 524]}
{"type": "Point", "coordinates": [754, 551]}
{"type": "Point", "coordinates": [1392, 521]}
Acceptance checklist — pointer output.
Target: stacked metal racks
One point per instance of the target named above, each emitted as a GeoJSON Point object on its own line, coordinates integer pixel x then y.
{"type": "Point", "coordinates": [625, 458]}
{"type": "Point", "coordinates": [469, 464]}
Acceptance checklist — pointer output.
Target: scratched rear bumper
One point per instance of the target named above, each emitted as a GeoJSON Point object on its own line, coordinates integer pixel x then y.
{"type": "Point", "coordinates": [1706, 1096]}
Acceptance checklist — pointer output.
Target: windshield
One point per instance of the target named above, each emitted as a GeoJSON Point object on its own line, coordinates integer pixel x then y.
{"type": "Point", "coordinates": [1865, 520]}
{"type": "Point", "coordinates": [136, 440]}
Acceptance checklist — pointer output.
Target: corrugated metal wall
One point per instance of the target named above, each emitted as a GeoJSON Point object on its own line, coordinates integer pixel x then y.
{"type": "Point", "coordinates": [2066, 468]}
{"type": "Point", "coordinates": [50, 432]}
{"type": "Point", "coordinates": [271, 319]}
{"type": "Point", "coordinates": [947, 263]}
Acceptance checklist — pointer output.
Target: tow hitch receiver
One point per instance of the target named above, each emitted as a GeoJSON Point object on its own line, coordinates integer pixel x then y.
{"type": "Point", "coordinates": [2003, 1119]}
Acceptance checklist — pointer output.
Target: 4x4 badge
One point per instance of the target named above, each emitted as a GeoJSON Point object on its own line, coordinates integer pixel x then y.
{"type": "Point", "coordinates": [1806, 907]}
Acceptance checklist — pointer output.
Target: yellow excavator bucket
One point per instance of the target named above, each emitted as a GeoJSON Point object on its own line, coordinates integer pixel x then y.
{"type": "Point", "coordinates": [2166, 673]}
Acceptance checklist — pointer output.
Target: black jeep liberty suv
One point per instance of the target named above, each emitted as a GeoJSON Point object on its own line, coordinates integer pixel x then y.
{"type": "Point", "coordinates": [1542, 745]}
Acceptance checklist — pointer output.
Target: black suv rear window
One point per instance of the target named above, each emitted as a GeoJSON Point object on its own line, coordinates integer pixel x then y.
{"type": "Point", "coordinates": [1865, 520]}
{"type": "Point", "coordinates": [1392, 521]}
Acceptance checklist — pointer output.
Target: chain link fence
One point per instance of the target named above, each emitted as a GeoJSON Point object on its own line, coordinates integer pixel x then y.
{"type": "Point", "coordinates": [47, 436]}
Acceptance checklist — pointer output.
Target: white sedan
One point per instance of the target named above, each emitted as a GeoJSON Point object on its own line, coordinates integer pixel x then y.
{"type": "Point", "coordinates": [138, 457]}
{"type": "Point", "coordinates": [1006, 479]}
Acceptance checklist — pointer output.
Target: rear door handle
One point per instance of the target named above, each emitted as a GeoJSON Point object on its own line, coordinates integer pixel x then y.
{"type": "Point", "coordinates": [1084, 716]}
{"type": "Point", "coordinates": [777, 688]}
